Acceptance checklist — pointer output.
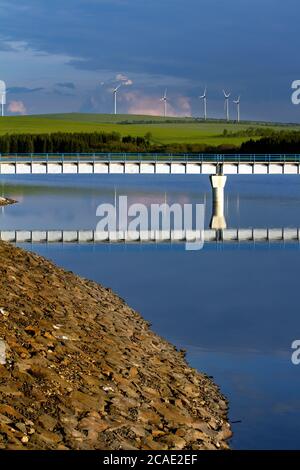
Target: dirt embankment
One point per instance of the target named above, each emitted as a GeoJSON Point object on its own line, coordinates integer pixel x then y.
{"type": "Point", "coordinates": [84, 371]}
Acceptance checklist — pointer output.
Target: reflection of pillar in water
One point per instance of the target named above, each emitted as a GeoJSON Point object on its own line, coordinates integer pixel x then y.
{"type": "Point", "coordinates": [218, 221]}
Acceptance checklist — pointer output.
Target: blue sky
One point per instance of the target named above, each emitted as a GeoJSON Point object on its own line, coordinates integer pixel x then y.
{"type": "Point", "coordinates": [66, 55]}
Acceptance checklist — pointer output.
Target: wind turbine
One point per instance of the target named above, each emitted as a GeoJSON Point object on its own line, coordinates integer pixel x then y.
{"type": "Point", "coordinates": [226, 104]}
{"type": "Point", "coordinates": [204, 98]}
{"type": "Point", "coordinates": [165, 100]}
{"type": "Point", "coordinates": [2, 96]}
{"type": "Point", "coordinates": [238, 102]}
{"type": "Point", "coordinates": [115, 92]}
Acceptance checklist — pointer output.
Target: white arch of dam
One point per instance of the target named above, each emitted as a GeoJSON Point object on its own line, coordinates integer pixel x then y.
{"type": "Point", "coordinates": [232, 235]}
{"type": "Point", "coordinates": [150, 164]}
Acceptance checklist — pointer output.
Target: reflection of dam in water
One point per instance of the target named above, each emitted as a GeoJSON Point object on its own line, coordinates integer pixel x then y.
{"type": "Point", "coordinates": [233, 235]}
{"type": "Point", "coordinates": [218, 231]}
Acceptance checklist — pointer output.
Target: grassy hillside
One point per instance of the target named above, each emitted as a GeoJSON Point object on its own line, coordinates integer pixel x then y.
{"type": "Point", "coordinates": [164, 131]}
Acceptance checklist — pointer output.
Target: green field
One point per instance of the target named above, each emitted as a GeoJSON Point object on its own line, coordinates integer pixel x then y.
{"type": "Point", "coordinates": [163, 131]}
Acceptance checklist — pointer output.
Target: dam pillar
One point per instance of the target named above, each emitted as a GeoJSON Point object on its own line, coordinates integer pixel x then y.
{"type": "Point", "coordinates": [218, 221]}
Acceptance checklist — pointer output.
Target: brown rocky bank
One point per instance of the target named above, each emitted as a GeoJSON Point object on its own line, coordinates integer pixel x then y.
{"type": "Point", "coordinates": [5, 201]}
{"type": "Point", "coordinates": [84, 371]}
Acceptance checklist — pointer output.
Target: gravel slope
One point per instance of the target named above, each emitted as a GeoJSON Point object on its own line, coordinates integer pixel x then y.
{"type": "Point", "coordinates": [84, 371]}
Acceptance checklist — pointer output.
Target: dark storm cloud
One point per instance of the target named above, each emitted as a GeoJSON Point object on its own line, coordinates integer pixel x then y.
{"type": "Point", "coordinates": [248, 46]}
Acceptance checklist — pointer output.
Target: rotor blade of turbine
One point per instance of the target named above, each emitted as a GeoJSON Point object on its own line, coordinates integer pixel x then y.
{"type": "Point", "coordinates": [204, 95]}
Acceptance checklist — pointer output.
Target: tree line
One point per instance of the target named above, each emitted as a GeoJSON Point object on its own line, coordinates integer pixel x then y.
{"type": "Point", "coordinates": [250, 132]}
{"type": "Point", "coordinates": [280, 142]}
{"type": "Point", "coordinates": [97, 142]}
{"type": "Point", "coordinates": [60, 142]}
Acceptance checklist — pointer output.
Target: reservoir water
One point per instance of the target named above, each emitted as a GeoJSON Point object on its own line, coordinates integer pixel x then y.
{"type": "Point", "coordinates": [234, 307]}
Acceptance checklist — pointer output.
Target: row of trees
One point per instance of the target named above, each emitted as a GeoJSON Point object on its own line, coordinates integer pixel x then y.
{"type": "Point", "coordinates": [97, 142]}
{"type": "Point", "coordinates": [250, 132]}
{"type": "Point", "coordinates": [280, 142]}
{"type": "Point", "coordinates": [71, 143]}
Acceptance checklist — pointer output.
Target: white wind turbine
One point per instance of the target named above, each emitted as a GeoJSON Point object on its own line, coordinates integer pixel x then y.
{"type": "Point", "coordinates": [238, 102]}
{"type": "Point", "coordinates": [204, 98]}
{"type": "Point", "coordinates": [2, 96]}
{"type": "Point", "coordinates": [115, 92]}
{"type": "Point", "coordinates": [226, 104]}
{"type": "Point", "coordinates": [165, 100]}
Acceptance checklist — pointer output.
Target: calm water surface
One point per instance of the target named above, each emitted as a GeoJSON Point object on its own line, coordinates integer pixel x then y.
{"type": "Point", "coordinates": [235, 308]}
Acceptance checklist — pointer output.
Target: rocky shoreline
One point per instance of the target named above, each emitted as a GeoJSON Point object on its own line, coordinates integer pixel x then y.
{"type": "Point", "coordinates": [5, 201]}
{"type": "Point", "coordinates": [82, 370]}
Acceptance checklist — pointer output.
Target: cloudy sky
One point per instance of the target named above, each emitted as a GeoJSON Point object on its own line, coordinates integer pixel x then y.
{"type": "Point", "coordinates": [67, 55]}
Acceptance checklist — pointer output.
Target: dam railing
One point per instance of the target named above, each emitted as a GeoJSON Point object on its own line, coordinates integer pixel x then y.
{"type": "Point", "coordinates": [148, 157]}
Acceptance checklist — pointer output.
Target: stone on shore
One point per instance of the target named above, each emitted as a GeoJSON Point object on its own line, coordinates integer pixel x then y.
{"type": "Point", "coordinates": [5, 201]}
{"type": "Point", "coordinates": [82, 370]}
